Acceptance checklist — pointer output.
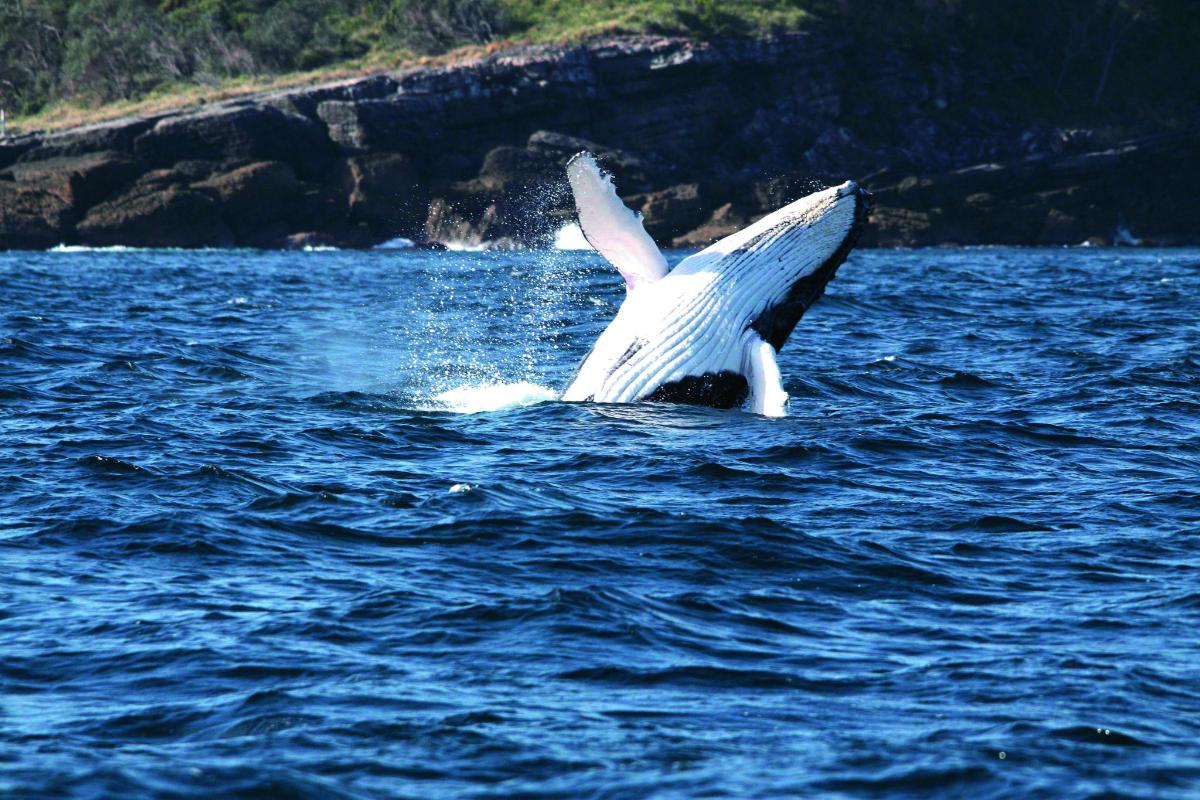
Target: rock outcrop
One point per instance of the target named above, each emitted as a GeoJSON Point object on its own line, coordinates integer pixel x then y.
{"type": "Point", "coordinates": [702, 137]}
{"type": "Point", "coordinates": [1136, 191]}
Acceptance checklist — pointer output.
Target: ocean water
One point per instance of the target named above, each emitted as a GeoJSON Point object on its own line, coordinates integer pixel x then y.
{"type": "Point", "coordinates": [313, 525]}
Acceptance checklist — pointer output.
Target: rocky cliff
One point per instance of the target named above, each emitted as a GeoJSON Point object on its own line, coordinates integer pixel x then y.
{"type": "Point", "coordinates": [702, 137]}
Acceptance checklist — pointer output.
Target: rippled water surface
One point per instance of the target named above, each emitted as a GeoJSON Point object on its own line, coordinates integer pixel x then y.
{"type": "Point", "coordinates": [251, 545]}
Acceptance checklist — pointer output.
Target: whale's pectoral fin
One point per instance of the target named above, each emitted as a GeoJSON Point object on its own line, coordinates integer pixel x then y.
{"type": "Point", "coordinates": [766, 396]}
{"type": "Point", "coordinates": [613, 229]}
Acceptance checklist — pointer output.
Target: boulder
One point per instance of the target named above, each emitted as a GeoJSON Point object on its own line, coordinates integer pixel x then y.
{"type": "Point", "coordinates": [382, 190]}
{"type": "Point", "coordinates": [195, 169]}
{"type": "Point", "coordinates": [515, 169]}
{"type": "Point", "coordinates": [318, 208]}
{"type": "Point", "coordinates": [519, 192]}
{"type": "Point", "coordinates": [449, 225]}
{"type": "Point", "coordinates": [157, 216]}
{"type": "Point", "coordinates": [237, 133]}
{"type": "Point", "coordinates": [671, 212]}
{"type": "Point", "coordinates": [1047, 199]}
{"type": "Point", "coordinates": [117, 136]}
{"type": "Point", "coordinates": [393, 124]}
{"type": "Point", "coordinates": [631, 173]}
{"type": "Point", "coordinates": [157, 179]}
{"type": "Point", "coordinates": [80, 181]}
{"type": "Point", "coordinates": [32, 218]}
{"type": "Point", "coordinates": [12, 149]}
{"type": "Point", "coordinates": [725, 220]}
{"type": "Point", "coordinates": [896, 227]}
{"type": "Point", "coordinates": [252, 196]}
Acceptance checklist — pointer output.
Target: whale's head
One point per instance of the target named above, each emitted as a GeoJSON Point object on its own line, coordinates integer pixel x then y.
{"type": "Point", "coordinates": [779, 266]}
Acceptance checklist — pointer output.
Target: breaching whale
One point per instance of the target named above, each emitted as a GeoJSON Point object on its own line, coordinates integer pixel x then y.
{"type": "Point", "coordinates": [707, 332]}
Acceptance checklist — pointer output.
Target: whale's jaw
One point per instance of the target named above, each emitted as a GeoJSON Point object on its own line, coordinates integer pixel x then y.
{"type": "Point", "coordinates": [708, 331]}
{"type": "Point", "coordinates": [776, 323]}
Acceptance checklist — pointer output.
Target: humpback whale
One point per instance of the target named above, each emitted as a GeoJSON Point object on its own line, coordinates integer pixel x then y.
{"type": "Point", "coordinates": [707, 332]}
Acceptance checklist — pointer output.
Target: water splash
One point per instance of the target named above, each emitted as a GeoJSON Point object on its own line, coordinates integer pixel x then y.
{"type": "Point", "coordinates": [398, 243]}
{"type": "Point", "coordinates": [474, 399]}
{"type": "Point", "coordinates": [570, 237]}
{"type": "Point", "coordinates": [81, 248]}
{"type": "Point", "coordinates": [465, 246]}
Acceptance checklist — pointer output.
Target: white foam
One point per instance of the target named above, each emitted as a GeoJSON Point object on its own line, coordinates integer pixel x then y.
{"type": "Point", "coordinates": [319, 248]}
{"type": "Point", "coordinates": [82, 248]}
{"type": "Point", "coordinates": [570, 237]}
{"type": "Point", "coordinates": [465, 247]}
{"type": "Point", "coordinates": [399, 243]}
{"type": "Point", "coordinates": [493, 397]}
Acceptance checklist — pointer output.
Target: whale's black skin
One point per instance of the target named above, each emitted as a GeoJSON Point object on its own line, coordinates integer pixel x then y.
{"type": "Point", "coordinates": [776, 324]}
{"type": "Point", "coordinates": [713, 389]}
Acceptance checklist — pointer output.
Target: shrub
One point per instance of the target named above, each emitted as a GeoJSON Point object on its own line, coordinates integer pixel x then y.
{"type": "Point", "coordinates": [119, 48]}
{"type": "Point", "coordinates": [31, 51]}
{"type": "Point", "coordinates": [434, 26]}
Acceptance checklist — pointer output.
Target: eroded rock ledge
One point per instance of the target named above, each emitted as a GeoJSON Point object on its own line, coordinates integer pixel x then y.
{"type": "Point", "coordinates": [702, 137]}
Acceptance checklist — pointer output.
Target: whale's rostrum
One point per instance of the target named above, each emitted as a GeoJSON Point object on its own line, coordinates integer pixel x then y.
{"type": "Point", "coordinates": [707, 332]}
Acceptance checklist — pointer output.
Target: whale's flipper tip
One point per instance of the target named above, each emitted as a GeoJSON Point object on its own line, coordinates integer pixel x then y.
{"type": "Point", "coordinates": [614, 230]}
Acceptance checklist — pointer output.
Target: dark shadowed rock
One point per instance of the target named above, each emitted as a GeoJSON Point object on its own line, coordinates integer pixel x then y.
{"type": "Point", "coordinates": [725, 220]}
{"type": "Point", "coordinates": [81, 181]}
{"type": "Point", "coordinates": [632, 174]}
{"type": "Point", "coordinates": [32, 218]}
{"type": "Point", "coordinates": [197, 169]}
{"type": "Point", "coordinates": [238, 133]}
{"type": "Point", "coordinates": [305, 101]}
{"type": "Point", "coordinates": [450, 225]}
{"type": "Point", "coordinates": [308, 240]}
{"type": "Point", "coordinates": [13, 148]}
{"type": "Point", "coordinates": [157, 179]}
{"type": "Point", "coordinates": [319, 208]}
{"type": "Point", "coordinates": [517, 196]}
{"type": "Point", "coordinates": [156, 216]}
{"type": "Point", "coordinates": [382, 190]}
{"type": "Point", "coordinates": [516, 169]}
{"type": "Point", "coordinates": [838, 154]}
{"type": "Point", "coordinates": [1135, 187]}
{"type": "Point", "coordinates": [113, 136]}
{"type": "Point", "coordinates": [780, 190]}
{"type": "Point", "coordinates": [253, 196]}
{"type": "Point", "coordinates": [671, 212]}
{"type": "Point", "coordinates": [395, 124]}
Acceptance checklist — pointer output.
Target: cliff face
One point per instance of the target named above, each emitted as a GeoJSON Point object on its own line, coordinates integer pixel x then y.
{"type": "Point", "coordinates": [702, 137]}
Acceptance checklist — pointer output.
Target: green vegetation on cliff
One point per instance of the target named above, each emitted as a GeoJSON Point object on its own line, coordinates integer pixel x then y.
{"type": "Point", "coordinates": [1077, 61]}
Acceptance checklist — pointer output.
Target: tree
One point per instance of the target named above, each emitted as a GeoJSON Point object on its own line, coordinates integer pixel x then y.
{"type": "Point", "coordinates": [119, 48]}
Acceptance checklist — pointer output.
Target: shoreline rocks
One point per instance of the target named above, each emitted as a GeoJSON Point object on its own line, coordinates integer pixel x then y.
{"type": "Point", "coordinates": [702, 137]}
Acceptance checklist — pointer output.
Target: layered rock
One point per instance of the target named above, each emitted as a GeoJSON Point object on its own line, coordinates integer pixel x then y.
{"type": "Point", "coordinates": [702, 138]}
{"type": "Point", "coordinates": [1136, 190]}
{"type": "Point", "coordinates": [156, 213]}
